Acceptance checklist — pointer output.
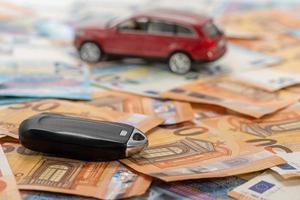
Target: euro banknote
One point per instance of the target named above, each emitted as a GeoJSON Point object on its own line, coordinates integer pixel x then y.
{"type": "Point", "coordinates": [268, 186]}
{"type": "Point", "coordinates": [193, 151]}
{"type": "Point", "coordinates": [34, 195]}
{"type": "Point", "coordinates": [8, 186]}
{"type": "Point", "coordinates": [172, 112]}
{"type": "Point", "coordinates": [232, 94]}
{"type": "Point", "coordinates": [211, 189]}
{"type": "Point", "coordinates": [11, 116]}
{"type": "Point", "coordinates": [14, 100]}
{"type": "Point", "coordinates": [291, 169]}
{"type": "Point", "coordinates": [269, 79]}
{"type": "Point", "coordinates": [276, 133]}
{"type": "Point", "coordinates": [104, 180]}
{"type": "Point", "coordinates": [150, 80]}
{"type": "Point", "coordinates": [43, 79]}
{"type": "Point", "coordinates": [282, 23]}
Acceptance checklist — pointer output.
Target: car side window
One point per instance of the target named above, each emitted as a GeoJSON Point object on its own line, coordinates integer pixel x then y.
{"type": "Point", "coordinates": [184, 31]}
{"type": "Point", "coordinates": [161, 27]}
{"type": "Point", "coordinates": [139, 24]}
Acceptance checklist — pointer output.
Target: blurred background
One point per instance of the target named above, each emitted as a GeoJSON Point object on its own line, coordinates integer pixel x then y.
{"type": "Point", "coordinates": [56, 19]}
{"type": "Point", "coordinates": [35, 34]}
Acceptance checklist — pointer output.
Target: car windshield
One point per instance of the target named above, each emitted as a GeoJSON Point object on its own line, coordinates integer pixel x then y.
{"type": "Point", "coordinates": [110, 21]}
{"type": "Point", "coordinates": [210, 30]}
{"type": "Point", "coordinates": [113, 20]}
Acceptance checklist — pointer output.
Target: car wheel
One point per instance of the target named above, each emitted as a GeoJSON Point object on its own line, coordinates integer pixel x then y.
{"type": "Point", "coordinates": [90, 52]}
{"type": "Point", "coordinates": [180, 63]}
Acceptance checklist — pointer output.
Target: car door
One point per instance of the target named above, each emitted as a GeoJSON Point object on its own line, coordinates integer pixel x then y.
{"type": "Point", "coordinates": [188, 40]}
{"type": "Point", "coordinates": [161, 38]}
{"type": "Point", "coordinates": [126, 37]}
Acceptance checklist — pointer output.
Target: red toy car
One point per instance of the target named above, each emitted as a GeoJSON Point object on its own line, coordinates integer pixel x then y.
{"type": "Point", "coordinates": [177, 36]}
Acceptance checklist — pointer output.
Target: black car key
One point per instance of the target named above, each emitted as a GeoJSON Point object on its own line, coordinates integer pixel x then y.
{"type": "Point", "coordinates": [78, 138]}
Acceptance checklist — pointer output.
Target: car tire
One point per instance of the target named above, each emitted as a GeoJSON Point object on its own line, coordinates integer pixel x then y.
{"type": "Point", "coordinates": [90, 52]}
{"type": "Point", "coordinates": [180, 63]}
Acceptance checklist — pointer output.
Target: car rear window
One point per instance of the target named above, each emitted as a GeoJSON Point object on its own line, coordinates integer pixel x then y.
{"type": "Point", "coordinates": [210, 30]}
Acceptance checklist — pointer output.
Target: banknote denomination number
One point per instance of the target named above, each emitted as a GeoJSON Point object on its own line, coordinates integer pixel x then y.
{"type": "Point", "coordinates": [269, 144]}
{"type": "Point", "coordinates": [40, 107]}
{"type": "Point", "coordinates": [187, 129]}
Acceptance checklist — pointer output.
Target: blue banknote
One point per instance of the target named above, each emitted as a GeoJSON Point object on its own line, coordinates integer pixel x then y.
{"type": "Point", "coordinates": [157, 193]}
{"type": "Point", "coordinates": [13, 100]}
{"type": "Point", "coordinates": [208, 189]}
{"type": "Point", "coordinates": [44, 80]}
{"type": "Point", "coordinates": [35, 195]}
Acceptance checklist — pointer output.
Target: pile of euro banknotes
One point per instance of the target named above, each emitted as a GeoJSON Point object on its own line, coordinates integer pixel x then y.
{"type": "Point", "coordinates": [230, 129]}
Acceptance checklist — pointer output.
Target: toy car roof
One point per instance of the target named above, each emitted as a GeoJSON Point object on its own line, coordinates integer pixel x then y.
{"type": "Point", "coordinates": [175, 16]}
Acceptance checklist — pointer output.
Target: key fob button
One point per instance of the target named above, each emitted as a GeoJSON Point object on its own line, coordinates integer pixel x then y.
{"type": "Point", "coordinates": [138, 137]}
{"type": "Point", "coordinates": [136, 143]}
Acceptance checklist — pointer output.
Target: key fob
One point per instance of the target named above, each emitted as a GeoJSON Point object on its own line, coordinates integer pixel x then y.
{"type": "Point", "coordinates": [78, 138]}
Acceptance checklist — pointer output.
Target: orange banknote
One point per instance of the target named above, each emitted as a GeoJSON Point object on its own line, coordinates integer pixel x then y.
{"type": "Point", "coordinates": [271, 46]}
{"type": "Point", "coordinates": [232, 94]}
{"type": "Point", "coordinates": [172, 111]}
{"type": "Point", "coordinates": [257, 25]}
{"type": "Point", "coordinates": [13, 115]}
{"type": "Point", "coordinates": [260, 22]}
{"type": "Point", "coordinates": [104, 180]}
{"type": "Point", "coordinates": [279, 132]}
{"type": "Point", "coordinates": [292, 66]}
{"type": "Point", "coordinates": [193, 151]}
{"type": "Point", "coordinates": [8, 186]}
{"type": "Point", "coordinates": [204, 111]}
